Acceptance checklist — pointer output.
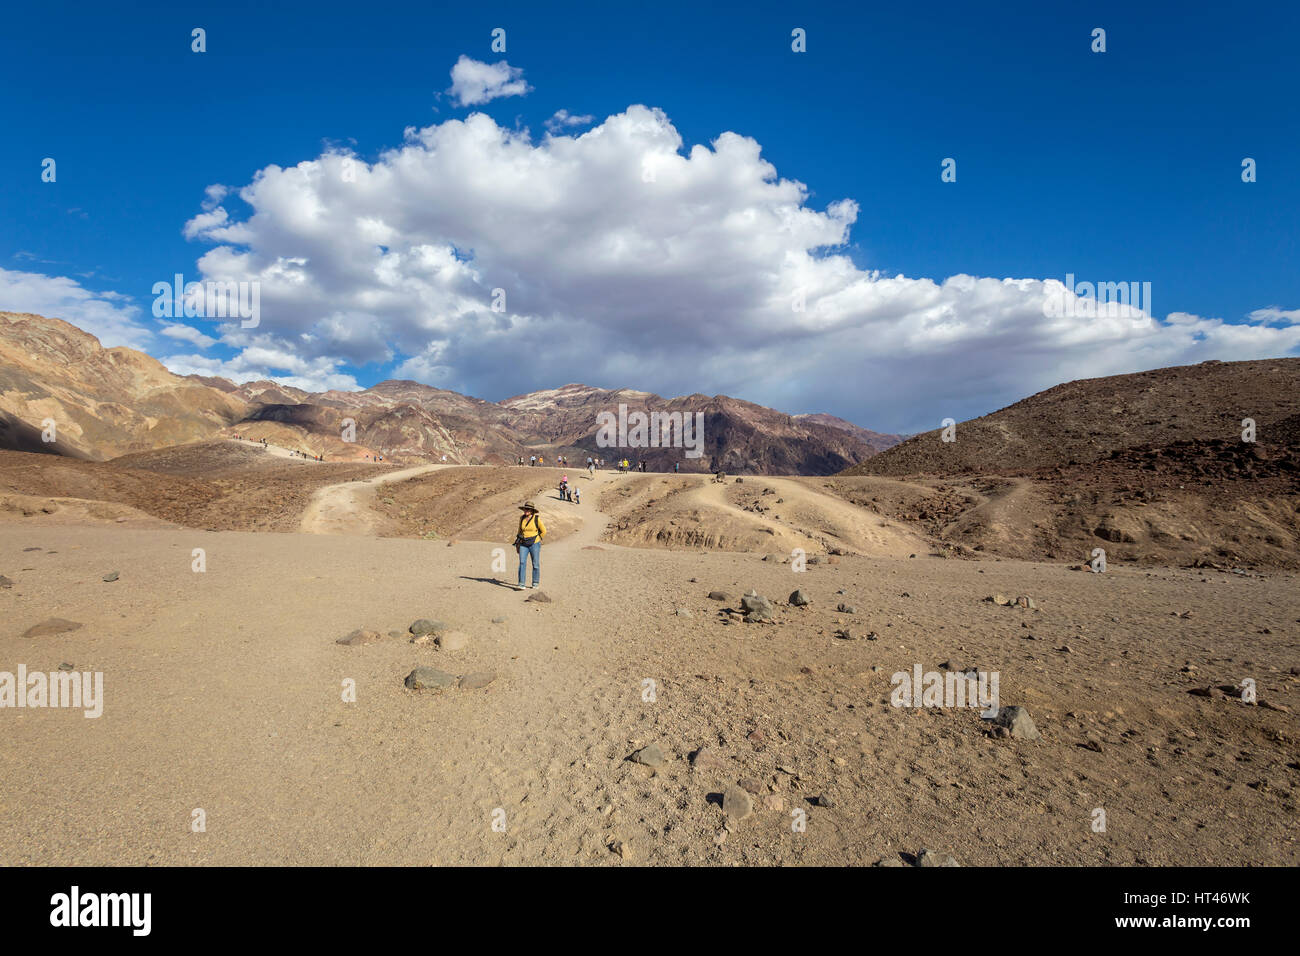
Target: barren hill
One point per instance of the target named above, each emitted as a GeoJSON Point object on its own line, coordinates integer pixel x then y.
{"type": "Point", "coordinates": [1089, 419]}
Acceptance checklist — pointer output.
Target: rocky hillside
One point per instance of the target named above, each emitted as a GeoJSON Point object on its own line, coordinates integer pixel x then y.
{"type": "Point", "coordinates": [112, 402]}
{"type": "Point", "coordinates": [1093, 419]}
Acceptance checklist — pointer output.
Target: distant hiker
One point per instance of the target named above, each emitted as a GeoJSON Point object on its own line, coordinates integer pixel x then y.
{"type": "Point", "coordinates": [528, 541]}
{"type": "Point", "coordinates": [564, 485]}
{"type": "Point", "coordinates": [677, 467]}
{"type": "Point", "coordinates": [577, 495]}
{"type": "Point", "coordinates": [532, 461]}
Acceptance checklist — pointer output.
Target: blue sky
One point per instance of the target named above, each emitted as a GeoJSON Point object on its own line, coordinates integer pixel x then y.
{"type": "Point", "coordinates": [1115, 166]}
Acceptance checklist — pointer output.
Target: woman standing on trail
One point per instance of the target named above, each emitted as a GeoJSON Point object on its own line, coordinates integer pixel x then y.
{"type": "Point", "coordinates": [528, 540]}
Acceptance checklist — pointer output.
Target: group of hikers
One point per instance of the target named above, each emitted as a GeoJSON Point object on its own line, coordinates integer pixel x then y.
{"type": "Point", "coordinates": [623, 465]}
{"type": "Point", "coordinates": [569, 492]}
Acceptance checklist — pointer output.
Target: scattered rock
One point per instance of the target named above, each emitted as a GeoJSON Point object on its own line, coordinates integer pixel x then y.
{"type": "Point", "coordinates": [752, 785]}
{"type": "Point", "coordinates": [477, 680]}
{"type": "Point", "coordinates": [426, 626]}
{"type": "Point", "coordinates": [498, 620]}
{"type": "Point", "coordinates": [621, 848]}
{"type": "Point", "coordinates": [359, 637]}
{"type": "Point", "coordinates": [1026, 602]}
{"type": "Point", "coordinates": [1092, 744]}
{"type": "Point", "coordinates": [890, 861]}
{"type": "Point", "coordinates": [1017, 722]}
{"type": "Point", "coordinates": [65, 666]}
{"type": "Point", "coordinates": [110, 577]}
{"type": "Point", "coordinates": [846, 609]}
{"type": "Point", "coordinates": [999, 599]}
{"type": "Point", "coordinates": [930, 858]}
{"type": "Point", "coordinates": [683, 612]}
{"type": "Point", "coordinates": [707, 758]}
{"type": "Point", "coordinates": [429, 678]}
{"type": "Point", "coordinates": [452, 641]}
{"type": "Point", "coordinates": [799, 599]}
{"type": "Point", "coordinates": [540, 597]}
{"type": "Point", "coordinates": [54, 625]}
{"type": "Point", "coordinates": [737, 804]}
{"type": "Point", "coordinates": [649, 756]}
{"type": "Point", "coordinates": [5, 582]}
{"type": "Point", "coordinates": [773, 801]}
{"type": "Point", "coordinates": [719, 596]}
{"type": "Point", "coordinates": [822, 801]}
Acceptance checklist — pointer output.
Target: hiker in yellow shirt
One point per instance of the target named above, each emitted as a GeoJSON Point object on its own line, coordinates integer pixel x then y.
{"type": "Point", "coordinates": [528, 541]}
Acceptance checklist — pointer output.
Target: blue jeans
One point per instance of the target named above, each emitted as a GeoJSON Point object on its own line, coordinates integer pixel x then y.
{"type": "Point", "coordinates": [535, 549]}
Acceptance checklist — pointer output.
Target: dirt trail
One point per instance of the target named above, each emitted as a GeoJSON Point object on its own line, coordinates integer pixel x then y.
{"type": "Point", "coordinates": [344, 508]}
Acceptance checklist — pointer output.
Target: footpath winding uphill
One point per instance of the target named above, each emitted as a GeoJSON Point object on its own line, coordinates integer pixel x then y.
{"type": "Point", "coordinates": [344, 508]}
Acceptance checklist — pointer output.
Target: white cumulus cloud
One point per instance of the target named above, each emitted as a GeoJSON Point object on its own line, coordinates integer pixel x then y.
{"type": "Point", "coordinates": [477, 258]}
{"type": "Point", "coordinates": [474, 82]}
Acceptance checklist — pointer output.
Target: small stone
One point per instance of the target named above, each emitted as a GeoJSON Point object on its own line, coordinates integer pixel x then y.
{"type": "Point", "coordinates": [737, 804]}
{"type": "Point", "coordinates": [359, 637]}
{"type": "Point", "coordinates": [67, 667]}
{"type": "Point", "coordinates": [1026, 602]}
{"type": "Point", "coordinates": [426, 626]}
{"type": "Point", "coordinates": [539, 597]}
{"type": "Point", "coordinates": [1000, 599]}
{"type": "Point", "coordinates": [719, 596]}
{"type": "Point", "coordinates": [649, 756]}
{"type": "Point", "coordinates": [800, 599]}
{"type": "Point", "coordinates": [683, 612]}
{"type": "Point", "coordinates": [622, 849]}
{"type": "Point", "coordinates": [1017, 722]}
{"type": "Point", "coordinates": [452, 641]}
{"type": "Point", "coordinates": [110, 577]}
{"type": "Point", "coordinates": [5, 582]}
{"type": "Point", "coordinates": [54, 625]}
{"type": "Point", "coordinates": [429, 678]}
{"type": "Point", "coordinates": [774, 801]}
{"type": "Point", "coordinates": [498, 620]}
{"type": "Point", "coordinates": [477, 681]}
{"type": "Point", "coordinates": [930, 858]}
{"type": "Point", "coordinates": [707, 758]}
{"type": "Point", "coordinates": [846, 609]}
{"type": "Point", "coordinates": [752, 785]}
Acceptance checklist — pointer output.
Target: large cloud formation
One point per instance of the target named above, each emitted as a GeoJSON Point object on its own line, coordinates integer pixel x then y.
{"type": "Point", "coordinates": [614, 258]}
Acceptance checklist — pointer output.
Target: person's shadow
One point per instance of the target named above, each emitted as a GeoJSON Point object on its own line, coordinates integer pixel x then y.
{"type": "Point", "coordinates": [496, 581]}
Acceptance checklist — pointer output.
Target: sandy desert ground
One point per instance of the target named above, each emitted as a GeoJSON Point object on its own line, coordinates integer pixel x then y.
{"type": "Point", "coordinates": [224, 689]}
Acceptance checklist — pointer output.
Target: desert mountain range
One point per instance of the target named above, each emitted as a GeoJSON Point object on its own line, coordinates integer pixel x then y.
{"type": "Point", "coordinates": [117, 401]}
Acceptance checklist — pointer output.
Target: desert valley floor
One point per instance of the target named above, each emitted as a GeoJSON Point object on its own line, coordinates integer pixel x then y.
{"type": "Point", "coordinates": [224, 689]}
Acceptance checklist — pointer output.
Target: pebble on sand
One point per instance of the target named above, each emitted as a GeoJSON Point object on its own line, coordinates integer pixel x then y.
{"type": "Point", "coordinates": [110, 577]}
{"type": "Point", "coordinates": [359, 637]}
{"type": "Point", "coordinates": [429, 678]}
{"type": "Point", "coordinates": [649, 756]}
{"type": "Point", "coordinates": [452, 641]}
{"type": "Point", "coordinates": [737, 804]}
{"type": "Point", "coordinates": [477, 680]}
{"type": "Point", "coordinates": [5, 582]}
{"type": "Point", "coordinates": [541, 597]}
{"type": "Point", "coordinates": [1017, 722]}
{"type": "Point", "coordinates": [426, 626]}
{"type": "Point", "coordinates": [54, 625]}
{"type": "Point", "coordinates": [800, 599]}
